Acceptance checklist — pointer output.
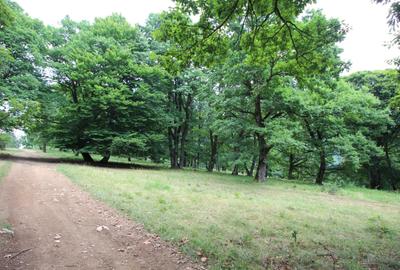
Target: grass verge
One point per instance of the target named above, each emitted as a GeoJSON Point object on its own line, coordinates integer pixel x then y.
{"type": "Point", "coordinates": [4, 168]}
{"type": "Point", "coordinates": [239, 224]}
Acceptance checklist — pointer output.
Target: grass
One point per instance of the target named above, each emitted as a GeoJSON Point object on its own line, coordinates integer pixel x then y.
{"type": "Point", "coordinates": [9, 151]}
{"type": "Point", "coordinates": [239, 224]}
{"type": "Point", "coordinates": [4, 168]}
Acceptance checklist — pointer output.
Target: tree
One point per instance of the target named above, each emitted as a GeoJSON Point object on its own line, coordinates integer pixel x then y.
{"type": "Point", "coordinates": [383, 169]}
{"type": "Point", "coordinates": [393, 22]}
{"type": "Point", "coordinates": [22, 50]}
{"type": "Point", "coordinates": [273, 47]}
{"type": "Point", "coordinates": [6, 14]}
{"type": "Point", "coordinates": [112, 95]}
{"type": "Point", "coordinates": [339, 121]}
{"type": "Point", "coordinates": [186, 83]}
{"type": "Point", "coordinates": [263, 79]}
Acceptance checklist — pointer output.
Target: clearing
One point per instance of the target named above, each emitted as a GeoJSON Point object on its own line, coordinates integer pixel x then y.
{"type": "Point", "coordinates": [225, 221]}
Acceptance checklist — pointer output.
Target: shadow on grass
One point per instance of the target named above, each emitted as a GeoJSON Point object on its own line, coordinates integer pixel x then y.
{"type": "Point", "coordinates": [6, 156]}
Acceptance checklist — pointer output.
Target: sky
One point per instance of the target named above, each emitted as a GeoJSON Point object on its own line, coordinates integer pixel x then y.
{"type": "Point", "coordinates": [364, 46]}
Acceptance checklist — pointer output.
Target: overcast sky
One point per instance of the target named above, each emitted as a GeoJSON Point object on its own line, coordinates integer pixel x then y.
{"type": "Point", "coordinates": [364, 45]}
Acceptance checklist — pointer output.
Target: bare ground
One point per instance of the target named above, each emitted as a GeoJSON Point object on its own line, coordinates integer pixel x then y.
{"type": "Point", "coordinates": [57, 226]}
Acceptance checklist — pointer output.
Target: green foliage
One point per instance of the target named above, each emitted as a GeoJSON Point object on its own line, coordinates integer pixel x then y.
{"type": "Point", "coordinates": [110, 91]}
{"type": "Point", "coordinates": [22, 51]}
{"type": "Point", "coordinates": [250, 87]}
{"type": "Point", "coordinates": [4, 140]}
{"type": "Point", "coordinates": [6, 14]}
{"type": "Point", "coordinates": [131, 145]}
{"type": "Point", "coordinates": [383, 166]}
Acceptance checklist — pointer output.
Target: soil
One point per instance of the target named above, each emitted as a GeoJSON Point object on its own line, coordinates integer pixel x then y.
{"type": "Point", "coordinates": [58, 226]}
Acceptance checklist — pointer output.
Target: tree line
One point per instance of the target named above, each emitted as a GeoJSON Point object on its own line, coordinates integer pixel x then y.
{"type": "Point", "coordinates": [249, 87]}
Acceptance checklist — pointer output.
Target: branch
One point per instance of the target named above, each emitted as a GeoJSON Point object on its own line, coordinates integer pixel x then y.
{"type": "Point", "coordinates": [225, 21]}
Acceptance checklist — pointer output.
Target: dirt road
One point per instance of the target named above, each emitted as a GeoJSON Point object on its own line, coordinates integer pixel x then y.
{"type": "Point", "coordinates": [58, 226]}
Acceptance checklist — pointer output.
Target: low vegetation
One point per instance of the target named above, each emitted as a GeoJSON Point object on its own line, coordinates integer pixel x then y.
{"type": "Point", "coordinates": [239, 224]}
{"type": "Point", "coordinates": [4, 168]}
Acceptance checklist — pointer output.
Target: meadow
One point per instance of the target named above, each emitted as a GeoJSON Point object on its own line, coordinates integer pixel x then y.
{"type": "Point", "coordinates": [239, 224]}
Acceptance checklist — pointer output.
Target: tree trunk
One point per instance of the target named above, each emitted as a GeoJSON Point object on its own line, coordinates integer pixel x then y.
{"type": "Point", "coordinates": [44, 147]}
{"type": "Point", "coordinates": [322, 168]}
{"type": "Point", "coordinates": [249, 171]}
{"type": "Point", "coordinates": [254, 159]}
{"type": "Point", "coordinates": [87, 157]}
{"type": "Point", "coordinates": [181, 162]}
{"type": "Point", "coordinates": [185, 130]}
{"type": "Point", "coordinates": [291, 166]}
{"type": "Point", "coordinates": [253, 165]}
{"type": "Point", "coordinates": [172, 145]}
{"type": "Point", "coordinates": [105, 158]}
{"type": "Point", "coordinates": [214, 149]}
{"type": "Point", "coordinates": [374, 173]}
{"type": "Point", "coordinates": [235, 170]}
{"type": "Point", "coordinates": [262, 169]}
{"type": "Point", "coordinates": [262, 166]}
{"type": "Point", "coordinates": [392, 175]}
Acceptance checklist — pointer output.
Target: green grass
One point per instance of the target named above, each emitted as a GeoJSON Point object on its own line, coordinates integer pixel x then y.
{"type": "Point", "coordinates": [4, 168]}
{"type": "Point", "coordinates": [239, 224]}
{"type": "Point", "coordinates": [9, 151]}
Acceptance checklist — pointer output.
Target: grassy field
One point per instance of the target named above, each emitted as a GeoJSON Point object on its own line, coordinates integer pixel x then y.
{"type": "Point", "coordinates": [239, 224]}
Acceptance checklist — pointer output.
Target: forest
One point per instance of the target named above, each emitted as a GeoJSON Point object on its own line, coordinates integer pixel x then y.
{"type": "Point", "coordinates": [244, 87]}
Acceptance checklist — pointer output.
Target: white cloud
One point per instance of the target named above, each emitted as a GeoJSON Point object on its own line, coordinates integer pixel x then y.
{"type": "Point", "coordinates": [364, 45]}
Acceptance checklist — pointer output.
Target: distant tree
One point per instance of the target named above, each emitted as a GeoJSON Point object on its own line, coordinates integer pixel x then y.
{"type": "Point", "coordinates": [263, 43]}
{"type": "Point", "coordinates": [186, 82]}
{"type": "Point", "coordinates": [383, 169]}
{"type": "Point", "coordinates": [339, 121]}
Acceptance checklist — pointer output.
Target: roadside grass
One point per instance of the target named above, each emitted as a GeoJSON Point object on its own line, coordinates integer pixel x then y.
{"type": "Point", "coordinates": [9, 151]}
{"type": "Point", "coordinates": [239, 224]}
{"type": "Point", "coordinates": [4, 168]}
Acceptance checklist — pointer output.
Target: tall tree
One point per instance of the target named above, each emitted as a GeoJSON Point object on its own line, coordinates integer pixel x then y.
{"type": "Point", "coordinates": [22, 53]}
{"type": "Point", "coordinates": [384, 169]}
{"type": "Point", "coordinates": [339, 121]}
{"type": "Point", "coordinates": [273, 47]}
{"type": "Point", "coordinates": [113, 95]}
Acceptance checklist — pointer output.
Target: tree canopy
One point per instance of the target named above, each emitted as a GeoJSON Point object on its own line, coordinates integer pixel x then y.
{"type": "Point", "coordinates": [245, 87]}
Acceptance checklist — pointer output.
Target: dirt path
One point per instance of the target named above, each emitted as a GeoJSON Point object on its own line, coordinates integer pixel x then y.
{"type": "Point", "coordinates": [57, 225]}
